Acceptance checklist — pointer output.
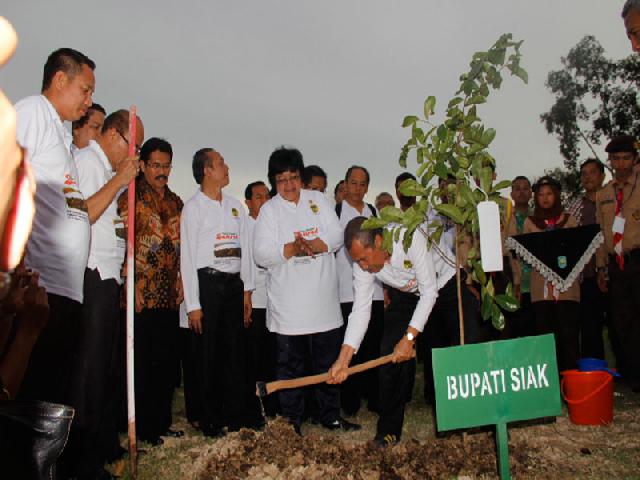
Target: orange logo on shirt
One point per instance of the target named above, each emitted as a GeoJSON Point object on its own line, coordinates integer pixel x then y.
{"type": "Point", "coordinates": [69, 180]}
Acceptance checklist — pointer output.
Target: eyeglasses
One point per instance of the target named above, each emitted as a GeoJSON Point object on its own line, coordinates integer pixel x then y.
{"type": "Point", "coordinates": [127, 142]}
{"type": "Point", "coordinates": [291, 179]}
{"type": "Point", "coordinates": [161, 166]}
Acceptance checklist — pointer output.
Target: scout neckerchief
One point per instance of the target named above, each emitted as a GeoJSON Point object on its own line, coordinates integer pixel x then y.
{"type": "Point", "coordinates": [617, 236]}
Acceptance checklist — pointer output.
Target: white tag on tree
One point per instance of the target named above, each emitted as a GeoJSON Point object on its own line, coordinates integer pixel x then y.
{"type": "Point", "coordinates": [618, 224]}
{"type": "Point", "coordinates": [490, 239]}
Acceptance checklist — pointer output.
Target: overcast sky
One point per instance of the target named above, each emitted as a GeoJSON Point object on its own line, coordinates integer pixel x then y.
{"type": "Point", "coordinates": [333, 77]}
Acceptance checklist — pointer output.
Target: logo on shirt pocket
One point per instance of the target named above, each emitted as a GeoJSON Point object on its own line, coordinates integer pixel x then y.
{"type": "Point", "coordinates": [408, 264]}
{"type": "Point", "coordinates": [234, 212]}
{"type": "Point", "coordinates": [314, 208]}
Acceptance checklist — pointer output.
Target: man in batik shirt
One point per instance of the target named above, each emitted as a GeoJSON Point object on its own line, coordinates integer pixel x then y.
{"type": "Point", "coordinates": [158, 290]}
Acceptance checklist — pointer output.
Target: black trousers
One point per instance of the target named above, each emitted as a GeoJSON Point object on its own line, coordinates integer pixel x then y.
{"type": "Point", "coordinates": [190, 380]}
{"type": "Point", "coordinates": [396, 379]}
{"type": "Point", "coordinates": [443, 328]}
{"type": "Point", "coordinates": [220, 352]}
{"type": "Point", "coordinates": [365, 385]}
{"type": "Point", "coordinates": [96, 381]}
{"type": "Point", "coordinates": [593, 311]}
{"type": "Point", "coordinates": [562, 319]}
{"type": "Point", "coordinates": [321, 349]}
{"type": "Point", "coordinates": [624, 295]}
{"type": "Point", "coordinates": [261, 358]}
{"type": "Point", "coordinates": [48, 375]}
{"type": "Point", "coordinates": [520, 323]}
{"type": "Point", "coordinates": [156, 364]}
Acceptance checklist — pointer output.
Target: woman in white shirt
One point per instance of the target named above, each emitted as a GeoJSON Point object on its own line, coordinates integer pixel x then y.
{"type": "Point", "coordinates": [295, 238]}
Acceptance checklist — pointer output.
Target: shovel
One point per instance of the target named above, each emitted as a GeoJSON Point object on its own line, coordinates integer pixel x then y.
{"type": "Point", "coordinates": [263, 389]}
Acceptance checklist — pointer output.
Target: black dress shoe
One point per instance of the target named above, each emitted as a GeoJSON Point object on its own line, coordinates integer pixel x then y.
{"type": "Point", "coordinates": [342, 424]}
{"type": "Point", "coordinates": [174, 433]}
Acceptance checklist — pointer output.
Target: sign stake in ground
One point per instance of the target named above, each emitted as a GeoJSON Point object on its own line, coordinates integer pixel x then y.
{"type": "Point", "coordinates": [495, 383]}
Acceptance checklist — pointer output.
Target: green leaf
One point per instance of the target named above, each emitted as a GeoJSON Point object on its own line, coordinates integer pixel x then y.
{"type": "Point", "coordinates": [429, 106]}
{"type": "Point", "coordinates": [486, 179]}
{"type": "Point", "coordinates": [451, 211]}
{"type": "Point", "coordinates": [507, 302]}
{"type": "Point", "coordinates": [403, 158]}
{"type": "Point", "coordinates": [477, 268]}
{"type": "Point", "coordinates": [497, 56]}
{"type": "Point", "coordinates": [387, 240]}
{"type": "Point", "coordinates": [487, 307]}
{"type": "Point", "coordinates": [374, 222]}
{"type": "Point", "coordinates": [501, 185]}
{"type": "Point", "coordinates": [409, 120]}
{"type": "Point", "coordinates": [441, 133]}
{"type": "Point", "coordinates": [475, 100]}
{"type": "Point", "coordinates": [441, 170]}
{"type": "Point", "coordinates": [497, 317]}
{"type": "Point", "coordinates": [467, 194]}
{"type": "Point", "coordinates": [488, 136]}
{"type": "Point", "coordinates": [454, 101]}
{"type": "Point", "coordinates": [391, 214]}
{"type": "Point", "coordinates": [411, 188]}
{"type": "Point", "coordinates": [522, 74]}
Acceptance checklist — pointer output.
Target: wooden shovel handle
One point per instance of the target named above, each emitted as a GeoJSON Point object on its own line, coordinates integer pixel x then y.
{"type": "Point", "coordinates": [323, 377]}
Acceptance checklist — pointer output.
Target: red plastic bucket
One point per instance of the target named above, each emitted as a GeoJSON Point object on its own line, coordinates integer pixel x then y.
{"type": "Point", "coordinates": [589, 396]}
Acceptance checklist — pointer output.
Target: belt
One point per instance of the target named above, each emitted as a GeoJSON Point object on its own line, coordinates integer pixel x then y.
{"type": "Point", "coordinates": [217, 273]}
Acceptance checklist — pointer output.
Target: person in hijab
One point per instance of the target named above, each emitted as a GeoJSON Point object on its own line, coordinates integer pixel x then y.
{"type": "Point", "coordinates": [554, 311]}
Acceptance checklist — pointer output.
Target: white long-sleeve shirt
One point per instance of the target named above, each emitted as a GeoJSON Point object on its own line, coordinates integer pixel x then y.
{"type": "Point", "coordinates": [259, 295]}
{"type": "Point", "coordinates": [58, 246]}
{"type": "Point", "coordinates": [213, 234]}
{"type": "Point", "coordinates": [420, 270]}
{"type": "Point", "coordinates": [108, 243]}
{"type": "Point", "coordinates": [302, 292]}
{"type": "Point", "coordinates": [343, 260]}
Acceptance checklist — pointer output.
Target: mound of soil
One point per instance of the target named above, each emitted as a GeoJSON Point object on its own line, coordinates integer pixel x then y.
{"type": "Point", "coordinates": [278, 453]}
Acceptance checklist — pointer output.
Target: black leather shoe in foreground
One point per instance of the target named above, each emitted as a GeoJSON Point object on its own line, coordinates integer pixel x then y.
{"type": "Point", "coordinates": [342, 424]}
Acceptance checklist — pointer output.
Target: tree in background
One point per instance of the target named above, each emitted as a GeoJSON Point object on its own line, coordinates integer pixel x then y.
{"type": "Point", "coordinates": [596, 98]}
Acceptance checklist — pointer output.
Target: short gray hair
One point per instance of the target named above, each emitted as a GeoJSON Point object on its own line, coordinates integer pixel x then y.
{"type": "Point", "coordinates": [628, 5]}
{"type": "Point", "coordinates": [354, 231]}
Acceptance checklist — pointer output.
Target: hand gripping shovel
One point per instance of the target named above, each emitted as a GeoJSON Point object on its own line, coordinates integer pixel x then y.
{"type": "Point", "coordinates": [263, 389]}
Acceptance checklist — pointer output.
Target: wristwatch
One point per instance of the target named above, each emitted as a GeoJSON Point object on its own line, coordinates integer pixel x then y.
{"type": "Point", "coordinates": [410, 336]}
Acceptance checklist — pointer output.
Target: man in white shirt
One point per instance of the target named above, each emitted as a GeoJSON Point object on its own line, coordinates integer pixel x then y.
{"type": "Point", "coordinates": [295, 238]}
{"type": "Point", "coordinates": [217, 275]}
{"type": "Point", "coordinates": [365, 385]}
{"type": "Point", "coordinates": [87, 128]}
{"type": "Point", "coordinates": [261, 343]}
{"type": "Point", "coordinates": [104, 171]}
{"type": "Point", "coordinates": [425, 272]}
{"type": "Point", "coordinates": [59, 243]}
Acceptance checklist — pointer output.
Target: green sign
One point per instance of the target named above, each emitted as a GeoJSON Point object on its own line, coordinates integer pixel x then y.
{"type": "Point", "coordinates": [496, 383]}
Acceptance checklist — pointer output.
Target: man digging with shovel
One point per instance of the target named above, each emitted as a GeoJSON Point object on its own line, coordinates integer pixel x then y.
{"type": "Point", "coordinates": [420, 270]}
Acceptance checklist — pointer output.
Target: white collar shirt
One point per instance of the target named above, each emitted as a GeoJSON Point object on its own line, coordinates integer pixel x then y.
{"type": "Point", "coordinates": [302, 292]}
{"type": "Point", "coordinates": [259, 295]}
{"type": "Point", "coordinates": [58, 246]}
{"type": "Point", "coordinates": [213, 234]}
{"type": "Point", "coordinates": [108, 242]}
{"type": "Point", "coordinates": [343, 259]}
{"type": "Point", "coordinates": [420, 270]}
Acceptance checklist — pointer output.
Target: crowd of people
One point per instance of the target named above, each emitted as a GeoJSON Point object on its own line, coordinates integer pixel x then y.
{"type": "Point", "coordinates": [294, 287]}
